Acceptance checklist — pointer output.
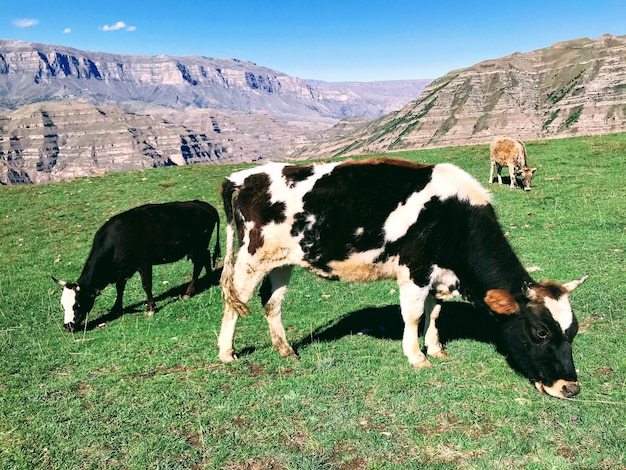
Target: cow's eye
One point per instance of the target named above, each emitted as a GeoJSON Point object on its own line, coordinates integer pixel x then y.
{"type": "Point", "coordinates": [541, 333]}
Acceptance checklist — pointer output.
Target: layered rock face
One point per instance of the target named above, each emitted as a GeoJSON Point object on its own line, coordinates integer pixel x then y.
{"type": "Point", "coordinates": [33, 149]}
{"type": "Point", "coordinates": [53, 141]}
{"type": "Point", "coordinates": [68, 113]}
{"type": "Point", "coordinates": [37, 72]}
{"type": "Point", "coordinates": [572, 88]}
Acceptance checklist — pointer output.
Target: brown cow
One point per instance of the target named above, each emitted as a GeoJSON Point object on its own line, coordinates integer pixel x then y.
{"type": "Point", "coordinates": [505, 151]}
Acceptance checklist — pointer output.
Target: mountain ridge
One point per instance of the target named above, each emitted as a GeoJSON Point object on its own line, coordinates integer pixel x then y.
{"type": "Point", "coordinates": [571, 88]}
{"type": "Point", "coordinates": [145, 111]}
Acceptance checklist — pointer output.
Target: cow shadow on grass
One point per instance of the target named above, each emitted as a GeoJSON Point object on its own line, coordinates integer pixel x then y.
{"type": "Point", "coordinates": [173, 294]}
{"type": "Point", "coordinates": [457, 320]}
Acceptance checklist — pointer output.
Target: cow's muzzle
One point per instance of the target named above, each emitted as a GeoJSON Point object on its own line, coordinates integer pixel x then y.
{"type": "Point", "coordinates": [560, 389]}
{"type": "Point", "coordinates": [69, 326]}
{"type": "Point", "coordinates": [527, 189]}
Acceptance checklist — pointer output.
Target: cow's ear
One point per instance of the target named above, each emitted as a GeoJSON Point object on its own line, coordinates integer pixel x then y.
{"type": "Point", "coordinates": [501, 302]}
{"type": "Point", "coordinates": [533, 170]}
{"type": "Point", "coordinates": [570, 286]}
{"type": "Point", "coordinates": [59, 282]}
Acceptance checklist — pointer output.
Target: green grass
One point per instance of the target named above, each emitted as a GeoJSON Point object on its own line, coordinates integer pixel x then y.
{"type": "Point", "coordinates": [149, 392]}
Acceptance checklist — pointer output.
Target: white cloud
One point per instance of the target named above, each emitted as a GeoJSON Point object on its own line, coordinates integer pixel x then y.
{"type": "Point", "coordinates": [67, 30]}
{"type": "Point", "coordinates": [25, 22]}
{"type": "Point", "coordinates": [117, 26]}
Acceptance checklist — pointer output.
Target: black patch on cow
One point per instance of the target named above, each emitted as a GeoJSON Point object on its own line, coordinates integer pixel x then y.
{"type": "Point", "coordinates": [228, 188]}
{"type": "Point", "coordinates": [254, 204]}
{"type": "Point", "coordinates": [295, 173]}
{"type": "Point", "coordinates": [346, 210]}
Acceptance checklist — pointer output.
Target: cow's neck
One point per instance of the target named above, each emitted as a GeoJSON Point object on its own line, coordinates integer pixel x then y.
{"type": "Point", "coordinates": [95, 275]}
{"type": "Point", "coordinates": [489, 262]}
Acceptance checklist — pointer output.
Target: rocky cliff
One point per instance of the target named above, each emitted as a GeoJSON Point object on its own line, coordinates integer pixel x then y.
{"type": "Point", "coordinates": [67, 113]}
{"type": "Point", "coordinates": [32, 73]}
{"type": "Point", "coordinates": [58, 140]}
{"type": "Point", "coordinates": [571, 88]}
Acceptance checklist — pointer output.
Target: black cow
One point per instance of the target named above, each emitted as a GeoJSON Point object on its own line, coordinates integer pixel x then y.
{"type": "Point", "coordinates": [136, 240]}
{"type": "Point", "coordinates": [390, 219]}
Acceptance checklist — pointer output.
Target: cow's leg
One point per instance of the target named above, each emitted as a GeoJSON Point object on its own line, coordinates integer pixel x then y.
{"type": "Point", "coordinates": [146, 282]}
{"type": "Point", "coordinates": [199, 261]}
{"type": "Point", "coordinates": [247, 274]}
{"type": "Point", "coordinates": [493, 165]}
{"type": "Point", "coordinates": [432, 309]}
{"type": "Point", "coordinates": [499, 171]}
{"type": "Point", "coordinates": [120, 285]}
{"type": "Point", "coordinates": [512, 175]}
{"type": "Point", "coordinates": [412, 298]}
{"type": "Point", "coordinates": [272, 294]}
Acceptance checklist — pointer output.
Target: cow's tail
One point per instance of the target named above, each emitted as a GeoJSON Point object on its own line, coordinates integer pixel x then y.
{"type": "Point", "coordinates": [217, 250]}
{"type": "Point", "coordinates": [229, 292]}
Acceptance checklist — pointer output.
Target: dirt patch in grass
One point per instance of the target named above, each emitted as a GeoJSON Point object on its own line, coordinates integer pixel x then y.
{"type": "Point", "coordinates": [261, 464]}
{"type": "Point", "coordinates": [448, 423]}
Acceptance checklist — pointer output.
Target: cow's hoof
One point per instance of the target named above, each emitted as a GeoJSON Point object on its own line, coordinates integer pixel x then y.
{"type": "Point", "coordinates": [291, 355]}
{"type": "Point", "coordinates": [150, 312]}
{"type": "Point", "coordinates": [439, 355]}
{"type": "Point", "coordinates": [422, 364]}
{"type": "Point", "coordinates": [186, 296]}
{"type": "Point", "coordinates": [227, 357]}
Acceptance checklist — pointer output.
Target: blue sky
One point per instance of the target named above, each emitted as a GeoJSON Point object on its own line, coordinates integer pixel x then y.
{"type": "Point", "coordinates": [330, 40]}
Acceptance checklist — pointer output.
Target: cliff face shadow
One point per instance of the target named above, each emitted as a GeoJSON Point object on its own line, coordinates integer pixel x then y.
{"type": "Point", "coordinates": [457, 320]}
{"type": "Point", "coordinates": [211, 279]}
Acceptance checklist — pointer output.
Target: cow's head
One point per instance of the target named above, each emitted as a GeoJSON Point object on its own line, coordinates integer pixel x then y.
{"type": "Point", "coordinates": [537, 330]}
{"type": "Point", "coordinates": [75, 302]}
{"type": "Point", "coordinates": [526, 175]}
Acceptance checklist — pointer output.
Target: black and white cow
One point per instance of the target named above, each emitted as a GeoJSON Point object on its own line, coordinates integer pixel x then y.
{"type": "Point", "coordinates": [136, 240]}
{"type": "Point", "coordinates": [390, 219]}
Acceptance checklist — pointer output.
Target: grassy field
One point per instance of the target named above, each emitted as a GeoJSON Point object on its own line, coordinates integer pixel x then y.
{"type": "Point", "coordinates": [148, 392]}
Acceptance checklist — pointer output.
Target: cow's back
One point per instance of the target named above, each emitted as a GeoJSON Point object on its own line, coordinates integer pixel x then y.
{"type": "Point", "coordinates": [505, 150]}
{"type": "Point", "coordinates": [348, 221]}
{"type": "Point", "coordinates": [159, 233]}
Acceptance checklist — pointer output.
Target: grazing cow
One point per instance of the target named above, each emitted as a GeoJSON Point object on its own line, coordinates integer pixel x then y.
{"type": "Point", "coordinates": [136, 240]}
{"type": "Point", "coordinates": [390, 219]}
{"type": "Point", "coordinates": [505, 151]}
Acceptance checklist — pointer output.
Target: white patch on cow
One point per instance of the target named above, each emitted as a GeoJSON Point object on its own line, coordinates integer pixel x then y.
{"type": "Point", "coordinates": [279, 246]}
{"type": "Point", "coordinates": [270, 168]}
{"type": "Point", "coordinates": [561, 311]}
{"type": "Point", "coordinates": [310, 221]}
{"type": "Point", "coordinates": [450, 181]}
{"type": "Point", "coordinates": [447, 181]}
{"type": "Point", "coordinates": [406, 214]}
{"type": "Point", "coordinates": [293, 196]}
{"type": "Point", "coordinates": [441, 280]}
{"type": "Point", "coordinates": [68, 300]}
{"type": "Point", "coordinates": [358, 232]}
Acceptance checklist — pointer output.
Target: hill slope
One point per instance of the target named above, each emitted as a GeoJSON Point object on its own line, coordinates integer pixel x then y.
{"type": "Point", "coordinates": [571, 88]}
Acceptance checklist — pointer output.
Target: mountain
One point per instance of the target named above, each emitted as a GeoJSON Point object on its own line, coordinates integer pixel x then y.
{"type": "Point", "coordinates": [68, 113]}
{"type": "Point", "coordinates": [32, 73]}
{"type": "Point", "coordinates": [572, 88]}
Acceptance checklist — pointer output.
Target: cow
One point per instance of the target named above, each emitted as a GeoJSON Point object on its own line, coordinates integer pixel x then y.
{"type": "Point", "coordinates": [505, 151]}
{"type": "Point", "coordinates": [362, 221]}
{"type": "Point", "coordinates": [136, 240]}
